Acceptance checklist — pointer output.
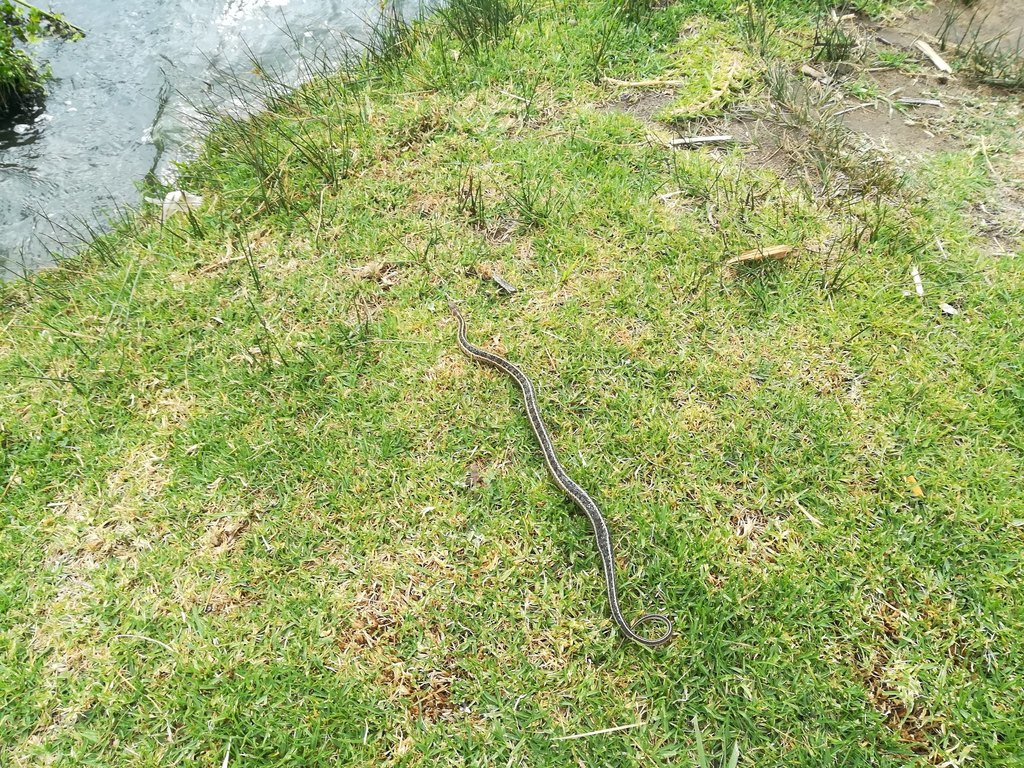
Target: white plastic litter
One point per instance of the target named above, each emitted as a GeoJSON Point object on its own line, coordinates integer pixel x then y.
{"type": "Point", "coordinates": [918, 285]}
{"type": "Point", "coordinates": [176, 202]}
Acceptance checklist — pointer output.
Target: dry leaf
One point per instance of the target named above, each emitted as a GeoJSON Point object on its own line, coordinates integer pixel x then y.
{"type": "Point", "coordinates": [915, 487]}
{"type": "Point", "coordinates": [381, 272]}
{"type": "Point", "coordinates": [475, 474]}
{"type": "Point", "coordinates": [760, 254]}
{"type": "Point", "coordinates": [486, 271]}
{"type": "Point", "coordinates": [506, 286]}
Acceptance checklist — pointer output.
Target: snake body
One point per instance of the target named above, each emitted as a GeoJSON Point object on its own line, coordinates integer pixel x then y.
{"type": "Point", "coordinates": [569, 486]}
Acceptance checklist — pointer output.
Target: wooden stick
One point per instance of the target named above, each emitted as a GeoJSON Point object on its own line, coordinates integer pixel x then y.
{"type": "Point", "coordinates": [854, 108]}
{"type": "Point", "coordinates": [938, 61]}
{"type": "Point", "coordinates": [693, 141]}
{"type": "Point", "coordinates": [810, 71]}
{"type": "Point", "coordinates": [920, 102]}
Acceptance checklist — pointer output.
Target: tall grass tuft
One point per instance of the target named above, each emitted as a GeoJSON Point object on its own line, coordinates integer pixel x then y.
{"type": "Point", "coordinates": [816, 137]}
{"type": "Point", "coordinates": [390, 43]}
{"type": "Point", "coordinates": [832, 43]}
{"type": "Point", "coordinates": [995, 60]}
{"type": "Point", "coordinates": [533, 198]}
{"type": "Point", "coordinates": [477, 23]}
{"type": "Point", "coordinates": [471, 199]}
{"type": "Point", "coordinates": [760, 25]}
{"type": "Point", "coordinates": [600, 45]}
{"type": "Point", "coordinates": [633, 11]}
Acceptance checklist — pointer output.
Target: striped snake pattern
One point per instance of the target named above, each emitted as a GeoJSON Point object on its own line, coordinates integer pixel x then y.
{"type": "Point", "coordinates": [570, 487]}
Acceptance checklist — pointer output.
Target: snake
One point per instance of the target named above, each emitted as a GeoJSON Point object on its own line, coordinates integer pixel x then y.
{"type": "Point", "coordinates": [570, 487]}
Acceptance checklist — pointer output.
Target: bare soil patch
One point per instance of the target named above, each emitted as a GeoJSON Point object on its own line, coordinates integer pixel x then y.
{"type": "Point", "coordinates": [1001, 21]}
{"type": "Point", "coordinates": [911, 113]}
{"type": "Point", "coordinates": [642, 104]}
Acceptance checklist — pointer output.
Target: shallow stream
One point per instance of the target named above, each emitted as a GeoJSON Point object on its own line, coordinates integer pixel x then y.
{"type": "Point", "coordinates": [118, 108]}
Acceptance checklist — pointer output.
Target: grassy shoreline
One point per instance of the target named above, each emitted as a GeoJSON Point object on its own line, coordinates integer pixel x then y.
{"type": "Point", "coordinates": [257, 509]}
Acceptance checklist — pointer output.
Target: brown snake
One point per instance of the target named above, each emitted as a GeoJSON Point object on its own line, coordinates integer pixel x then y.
{"type": "Point", "coordinates": [570, 487]}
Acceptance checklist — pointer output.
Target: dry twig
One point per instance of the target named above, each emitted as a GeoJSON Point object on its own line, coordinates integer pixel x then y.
{"type": "Point", "coordinates": [931, 53]}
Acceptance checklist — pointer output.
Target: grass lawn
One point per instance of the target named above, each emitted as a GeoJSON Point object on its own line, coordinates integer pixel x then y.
{"type": "Point", "coordinates": [256, 509]}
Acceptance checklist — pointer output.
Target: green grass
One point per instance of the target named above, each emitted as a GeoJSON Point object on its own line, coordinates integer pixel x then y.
{"type": "Point", "coordinates": [236, 524]}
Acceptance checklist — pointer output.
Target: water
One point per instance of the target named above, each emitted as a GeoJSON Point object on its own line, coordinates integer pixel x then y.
{"type": "Point", "coordinates": [117, 108]}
